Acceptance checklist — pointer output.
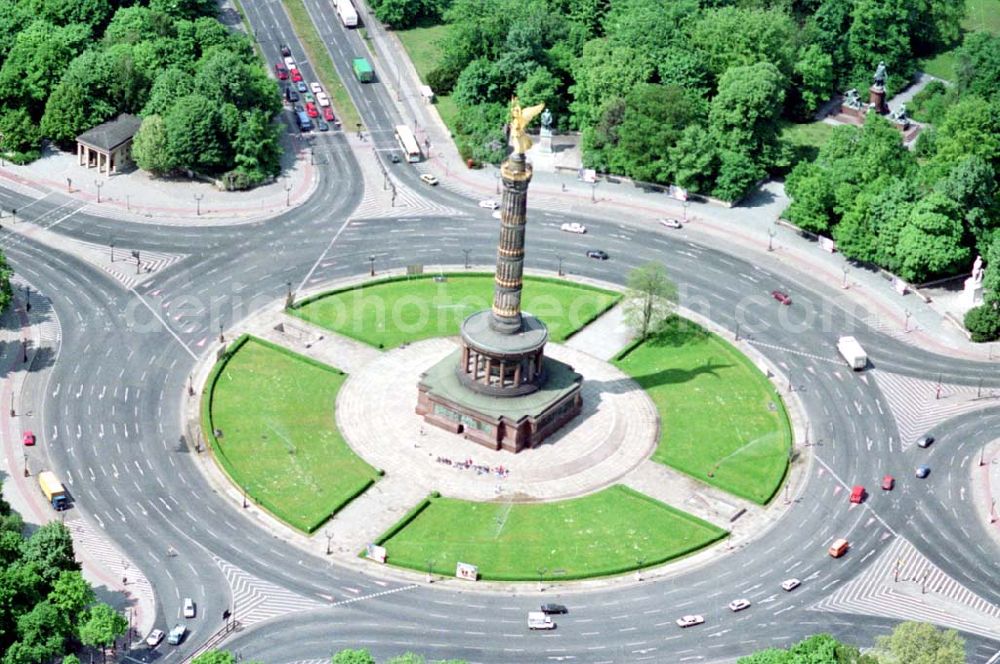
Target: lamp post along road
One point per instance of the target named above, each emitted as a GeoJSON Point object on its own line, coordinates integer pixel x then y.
{"type": "Point", "coordinates": [98, 184]}
{"type": "Point", "coordinates": [197, 198]}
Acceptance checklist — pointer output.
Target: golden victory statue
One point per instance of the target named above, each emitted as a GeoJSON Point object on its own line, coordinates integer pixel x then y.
{"type": "Point", "coordinates": [519, 120]}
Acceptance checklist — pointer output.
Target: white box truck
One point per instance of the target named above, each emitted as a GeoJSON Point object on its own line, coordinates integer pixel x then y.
{"type": "Point", "coordinates": [347, 13]}
{"type": "Point", "coordinates": [538, 620]}
{"type": "Point", "coordinates": [852, 351]}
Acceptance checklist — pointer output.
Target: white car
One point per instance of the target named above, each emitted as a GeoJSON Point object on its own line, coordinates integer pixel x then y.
{"type": "Point", "coordinates": [428, 178]}
{"type": "Point", "coordinates": [739, 604]}
{"type": "Point", "coordinates": [316, 87]}
{"type": "Point", "coordinates": [290, 62]}
{"type": "Point", "coordinates": [489, 204]}
{"type": "Point", "coordinates": [573, 227]}
{"type": "Point", "coordinates": [790, 584]}
{"type": "Point", "coordinates": [690, 621]}
{"type": "Point", "coordinates": [670, 223]}
{"type": "Point", "coordinates": [154, 638]}
{"type": "Point", "coordinates": [188, 608]}
{"type": "Point", "coordinates": [322, 99]}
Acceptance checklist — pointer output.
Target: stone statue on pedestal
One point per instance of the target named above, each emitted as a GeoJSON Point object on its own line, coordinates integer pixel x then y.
{"type": "Point", "coordinates": [879, 79]}
{"type": "Point", "coordinates": [546, 132]}
{"type": "Point", "coordinates": [852, 99]}
{"type": "Point", "coordinates": [977, 270]}
{"type": "Point", "coordinates": [519, 120]}
{"type": "Point", "coordinates": [973, 292]}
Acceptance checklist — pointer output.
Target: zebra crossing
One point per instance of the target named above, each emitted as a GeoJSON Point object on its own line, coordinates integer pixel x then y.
{"type": "Point", "coordinates": [915, 406]}
{"type": "Point", "coordinates": [378, 204]}
{"type": "Point", "coordinates": [256, 600]}
{"type": "Point", "coordinates": [129, 271]}
{"type": "Point", "coordinates": [95, 547]}
{"type": "Point", "coordinates": [902, 584]}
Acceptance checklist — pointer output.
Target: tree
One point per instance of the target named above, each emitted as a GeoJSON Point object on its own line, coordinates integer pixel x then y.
{"type": "Point", "coordinates": [737, 173]}
{"type": "Point", "coordinates": [256, 147]}
{"type": "Point", "coordinates": [739, 37]}
{"type": "Point", "coordinates": [50, 551]}
{"type": "Point", "coordinates": [43, 632]}
{"type": "Point", "coordinates": [812, 198]}
{"type": "Point", "coordinates": [351, 656]}
{"type": "Point", "coordinates": [478, 84]}
{"type": "Point", "coordinates": [814, 72]}
{"type": "Point", "coordinates": [983, 323]}
{"type": "Point", "coordinates": [970, 127]}
{"type": "Point", "coordinates": [151, 147]}
{"type": "Point", "coordinates": [169, 86]}
{"type": "Point", "coordinates": [978, 68]}
{"type": "Point", "coordinates": [193, 138]}
{"type": "Point", "coordinates": [920, 643]}
{"type": "Point", "coordinates": [991, 276]}
{"type": "Point", "coordinates": [39, 56]}
{"type": "Point", "coordinates": [64, 12]}
{"type": "Point", "coordinates": [215, 657]}
{"type": "Point", "coordinates": [931, 243]}
{"type": "Point", "coordinates": [651, 28]}
{"type": "Point", "coordinates": [137, 23]}
{"type": "Point", "coordinates": [880, 31]}
{"type": "Point", "coordinates": [20, 135]}
{"type": "Point", "coordinates": [604, 72]}
{"type": "Point", "coordinates": [189, 9]}
{"type": "Point", "coordinates": [480, 133]}
{"type": "Point", "coordinates": [541, 86]}
{"type": "Point", "coordinates": [406, 658]}
{"type": "Point", "coordinates": [650, 299]}
{"type": "Point", "coordinates": [972, 184]}
{"type": "Point", "coordinates": [744, 114]}
{"type": "Point", "coordinates": [694, 159]}
{"type": "Point", "coordinates": [102, 626]}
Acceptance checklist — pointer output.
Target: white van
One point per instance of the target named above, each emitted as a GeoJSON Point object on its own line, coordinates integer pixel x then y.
{"type": "Point", "coordinates": [538, 620]}
{"type": "Point", "coordinates": [176, 634]}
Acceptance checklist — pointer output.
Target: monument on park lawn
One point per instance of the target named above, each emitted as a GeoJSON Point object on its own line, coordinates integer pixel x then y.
{"type": "Point", "coordinates": [972, 294]}
{"type": "Point", "coordinates": [499, 389]}
{"type": "Point", "coordinates": [876, 93]}
{"type": "Point", "coordinates": [545, 134]}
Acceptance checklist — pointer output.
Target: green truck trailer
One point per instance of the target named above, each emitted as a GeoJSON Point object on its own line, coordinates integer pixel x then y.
{"type": "Point", "coordinates": [363, 70]}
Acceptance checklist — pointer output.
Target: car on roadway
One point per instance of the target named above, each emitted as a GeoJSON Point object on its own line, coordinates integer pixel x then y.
{"type": "Point", "coordinates": [427, 178]}
{"type": "Point", "coordinates": [923, 471]}
{"type": "Point", "coordinates": [690, 621]}
{"type": "Point", "coordinates": [176, 634]}
{"type": "Point", "coordinates": [298, 108]}
{"type": "Point", "coordinates": [316, 87]}
{"type": "Point", "coordinates": [188, 607]}
{"type": "Point", "coordinates": [857, 493]}
{"type": "Point", "coordinates": [328, 114]}
{"type": "Point", "coordinates": [598, 254]}
{"type": "Point", "coordinates": [489, 204]}
{"type": "Point", "coordinates": [573, 227]}
{"type": "Point", "coordinates": [154, 638]}
{"type": "Point", "coordinates": [925, 441]}
{"type": "Point", "coordinates": [308, 96]}
{"type": "Point", "coordinates": [782, 297]}
{"type": "Point", "coordinates": [311, 110]}
{"type": "Point", "coordinates": [28, 439]}
{"type": "Point", "coordinates": [290, 63]}
{"type": "Point", "coordinates": [281, 71]}
{"type": "Point", "coordinates": [323, 125]}
{"type": "Point", "coordinates": [300, 85]}
{"type": "Point", "coordinates": [496, 214]}
{"type": "Point", "coordinates": [888, 482]}
{"type": "Point", "coordinates": [322, 99]}
{"type": "Point", "coordinates": [296, 76]}
{"type": "Point", "coordinates": [739, 604]}
{"type": "Point", "coordinates": [554, 608]}
{"type": "Point", "coordinates": [669, 222]}
{"type": "Point", "coordinates": [538, 620]}
{"type": "Point", "coordinates": [789, 585]}
{"type": "Point", "coordinates": [285, 51]}
{"type": "Point", "coordinates": [292, 95]}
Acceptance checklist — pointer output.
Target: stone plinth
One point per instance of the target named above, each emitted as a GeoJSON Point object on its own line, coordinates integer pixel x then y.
{"type": "Point", "coordinates": [972, 294]}
{"type": "Point", "coordinates": [876, 99]}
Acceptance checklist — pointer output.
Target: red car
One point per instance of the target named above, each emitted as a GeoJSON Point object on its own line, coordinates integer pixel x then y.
{"type": "Point", "coordinates": [888, 482]}
{"type": "Point", "coordinates": [28, 439]}
{"type": "Point", "coordinates": [311, 110]}
{"type": "Point", "coordinates": [296, 76]}
{"type": "Point", "coordinates": [281, 71]}
{"type": "Point", "coordinates": [781, 297]}
{"type": "Point", "coordinates": [328, 114]}
{"type": "Point", "coordinates": [857, 494]}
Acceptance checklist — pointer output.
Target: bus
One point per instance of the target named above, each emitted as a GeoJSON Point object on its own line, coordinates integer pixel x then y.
{"type": "Point", "coordinates": [408, 143]}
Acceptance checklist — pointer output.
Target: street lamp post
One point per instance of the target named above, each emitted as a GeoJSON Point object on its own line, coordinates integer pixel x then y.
{"type": "Point", "coordinates": [497, 175]}
{"type": "Point", "coordinates": [593, 191]}
{"type": "Point", "coordinates": [222, 338]}
{"type": "Point", "coordinates": [358, 125]}
{"type": "Point", "coordinates": [197, 198]}
{"type": "Point", "coordinates": [26, 473]}
{"type": "Point", "coordinates": [244, 497]}
{"type": "Point", "coordinates": [466, 252]}
{"type": "Point", "coordinates": [98, 184]}
{"type": "Point", "coordinates": [906, 320]}
{"type": "Point", "coordinates": [69, 185]}
{"type": "Point", "coordinates": [112, 245]}
{"type": "Point", "coordinates": [329, 539]}
{"type": "Point", "coordinates": [923, 581]}
{"type": "Point", "coordinates": [845, 269]}
{"type": "Point", "coordinates": [685, 205]}
{"type": "Point", "coordinates": [937, 394]}
{"type": "Point", "coordinates": [27, 307]}
{"type": "Point", "coordinates": [560, 272]}
{"type": "Point", "coordinates": [770, 238]}
{"type": "Point", "coordinates": [737, 338]}
{"type": "Point", "coordinates": [993, 511]}
{"type": "Point", "coordinates": [371, 266]}
{"type": "Point", "coordinates": [430, 571]}
{"type": "Point", "coordinates": [288, 195]}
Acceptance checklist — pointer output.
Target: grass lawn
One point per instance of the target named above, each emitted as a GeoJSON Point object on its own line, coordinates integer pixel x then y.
{"type": "Point", "coordinates": [609, 532]}
{"type": "Point", "coordinates": [395, 311]}
{"type": "Point", "coordinates": [981, 15]}
{"type": "Point", "coordinates": [807, 138]}
{"type": "Point", "coordinates": [279, 439]}
{"type": "Point", "coordinates": [721, 421]}
{"type": "Point", "coordinates": [317, 54]}
{"type": "Point", "coordinates": [421, 44]}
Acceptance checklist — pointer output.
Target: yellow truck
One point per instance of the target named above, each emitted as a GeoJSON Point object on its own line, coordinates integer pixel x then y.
{"type": "Point", "coordinates": [53, 489]}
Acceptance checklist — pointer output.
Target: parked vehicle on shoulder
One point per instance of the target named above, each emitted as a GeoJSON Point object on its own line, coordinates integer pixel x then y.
{"type": "Point", "coordinates": [923, 471]}
{"type": "Point", "coordinates": [669, 222]}
{"type": "Point", "coordinates": [790, 584]}
{"type": "Point", "coordinates": [925, 441]}
{"type": "Point", "coordinates": [281, 71]}
{"type": "Point", "coordinates": [739, 604]}
{"type": "Point", "coordinates": [690, 621]}
{"type": "Point", "coordinates": [573, 227]}
{"type": "Point", "coordinates": [154, 638]}
{"type": "Point", "coordinates": [316, 87]}
{"type": "Point", "coordinates": [782, 297]}
{"type": "Point", "coordinates": [28, 439]}
{"type": "Point", "coordinates": [888, 482]}
{"type": "Point", "coordinates": [428, 179]}
{"type": "Point", "coordinates": [554, 608]}
{"type": "Point", "coordinates": [598, 254]}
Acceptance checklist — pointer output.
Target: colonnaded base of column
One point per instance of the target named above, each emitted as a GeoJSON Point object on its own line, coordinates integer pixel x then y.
{"type": "Point", "coordinates": [615, 431]}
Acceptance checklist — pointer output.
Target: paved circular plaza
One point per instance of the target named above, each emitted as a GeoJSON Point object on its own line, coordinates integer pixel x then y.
{"type": "Point", "coordinates": [617, 430]}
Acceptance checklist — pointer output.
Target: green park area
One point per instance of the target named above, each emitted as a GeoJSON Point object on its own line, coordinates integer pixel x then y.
{"type": "Point", "coordinates": [610, 532]}
{"type": "Point", "coordinates": [394, 311]}
{"type": "Point", "coordinates": [269, 415]}
{"type": "Point", "coordinates": [721, 420]}
{"type": "Point", "coordinates": [980, 16]}
{"type": "Point", "coordinates": [423, 45]}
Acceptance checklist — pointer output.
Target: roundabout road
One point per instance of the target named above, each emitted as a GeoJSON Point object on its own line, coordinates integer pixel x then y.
{"type": "Point", "coordinates": [112, 426]}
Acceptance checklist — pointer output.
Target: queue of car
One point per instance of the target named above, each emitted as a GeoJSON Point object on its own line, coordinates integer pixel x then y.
{"type": "Point", "coordinates": [316, 110]}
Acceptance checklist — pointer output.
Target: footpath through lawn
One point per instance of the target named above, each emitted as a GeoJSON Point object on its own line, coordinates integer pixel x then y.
{"type": "Point", "coordinates": [394, 311]}
{"type": "Point", "coordinates": [609, 532]}
{"type": "Point", "coordinates": [721, 420]}
{"type": "Point", "coordinates": [279, 441]}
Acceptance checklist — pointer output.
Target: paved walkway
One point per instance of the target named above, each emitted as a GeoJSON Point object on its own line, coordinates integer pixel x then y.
{"type": "Point", "coordinates": [35, 335]}
{"type": "Point", "coordinates": [604, 337]}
